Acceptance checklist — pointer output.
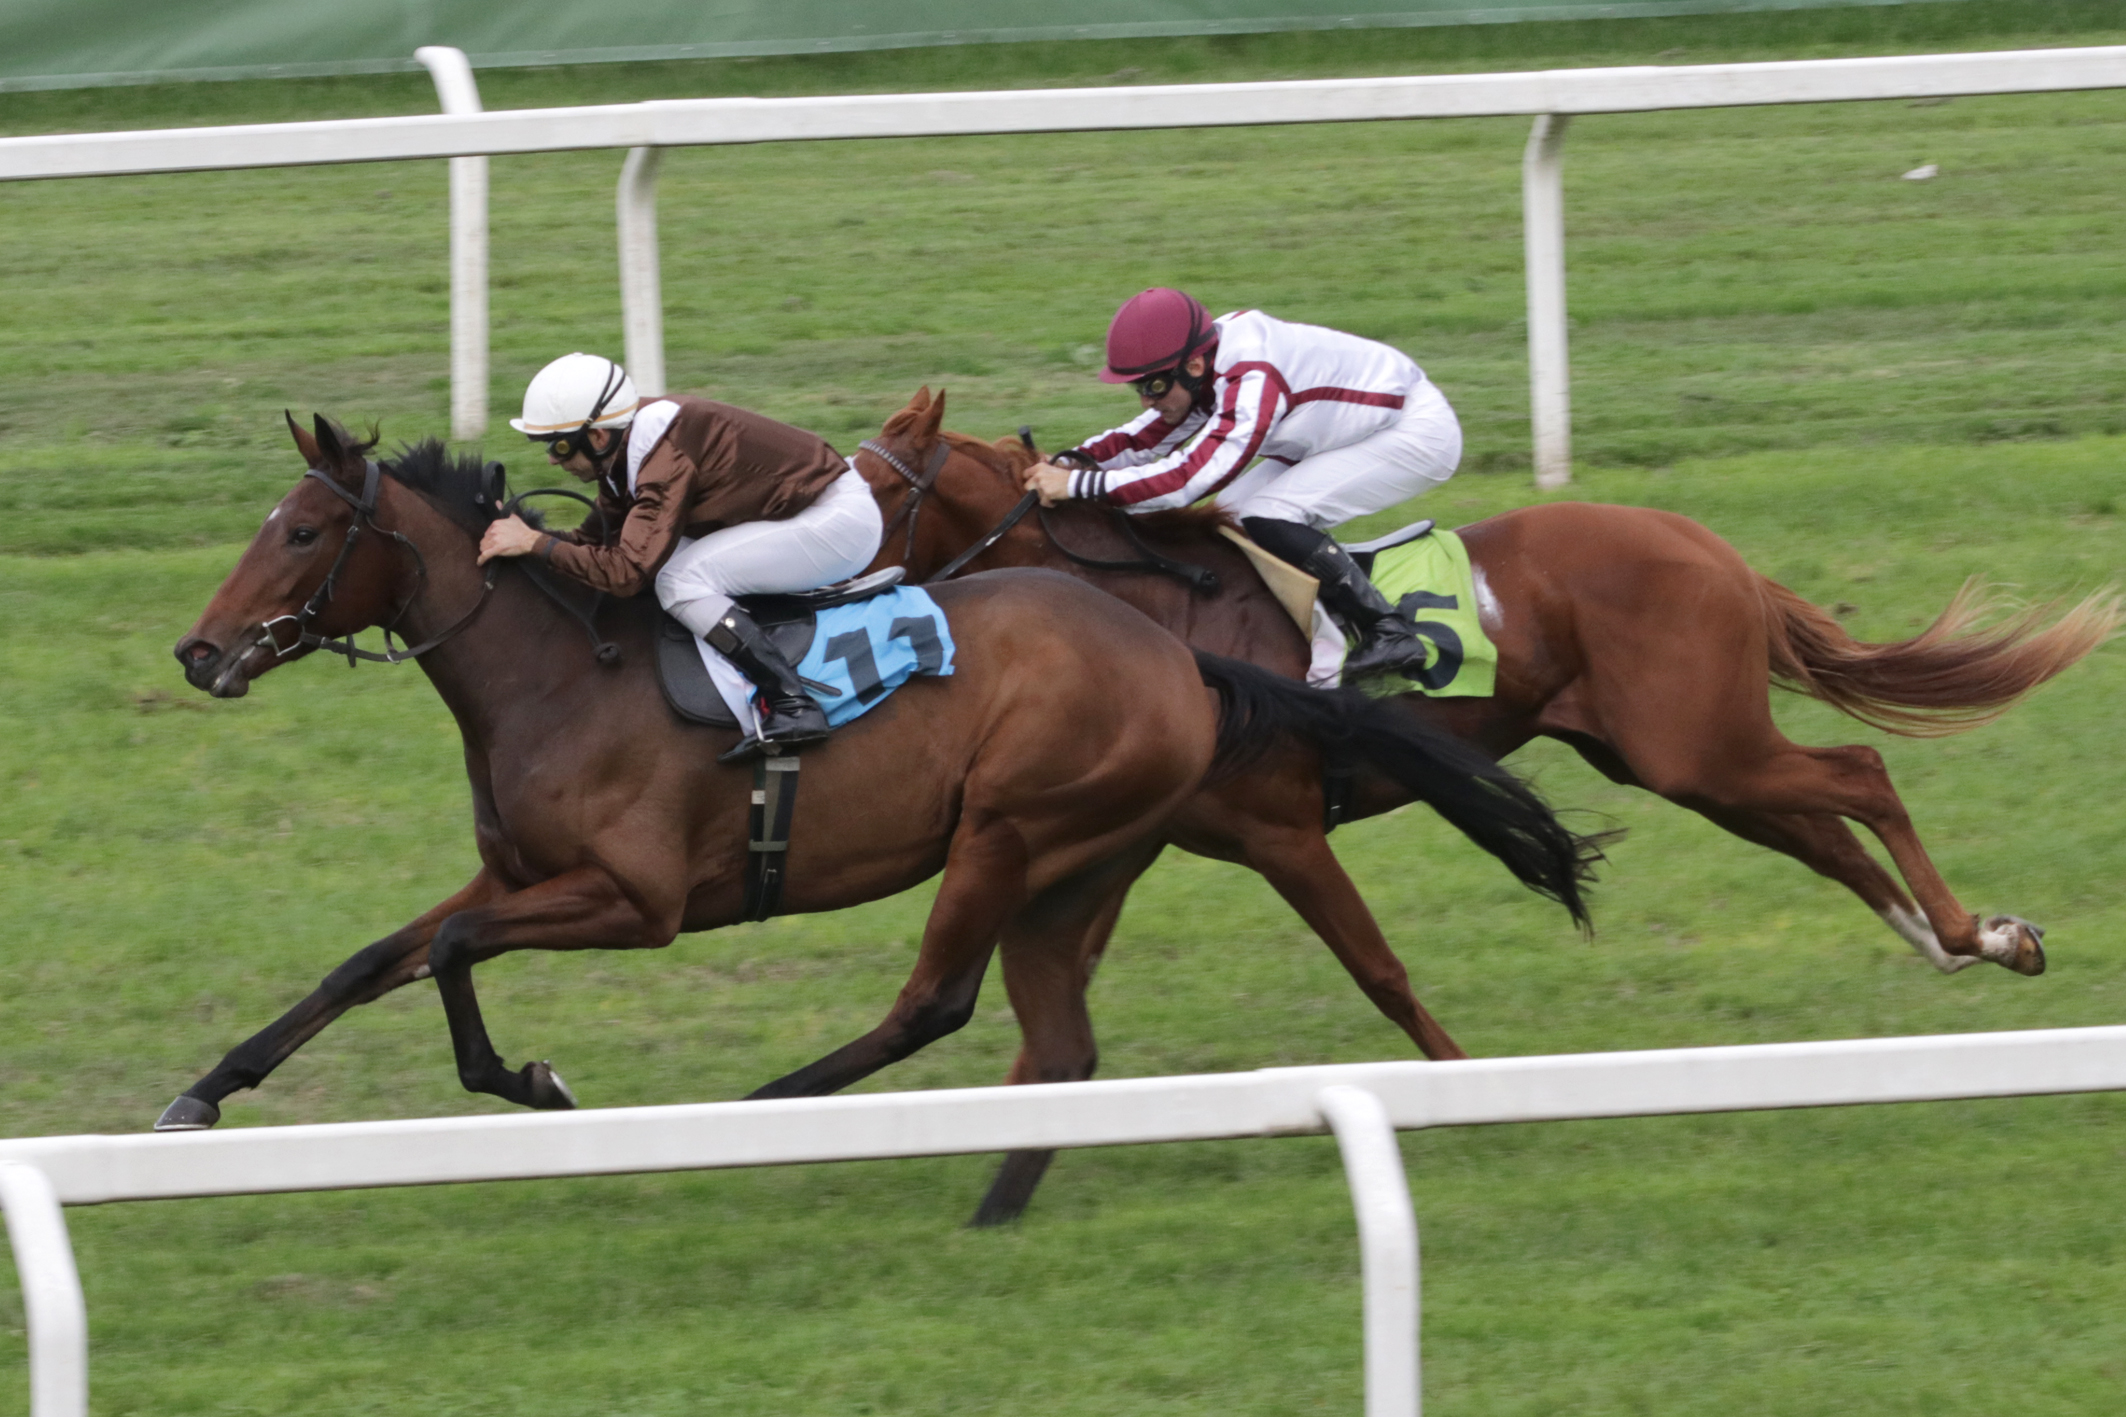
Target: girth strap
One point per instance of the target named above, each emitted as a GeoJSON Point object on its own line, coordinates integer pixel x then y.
{"type": "Point", "coordinates": [768, 838]}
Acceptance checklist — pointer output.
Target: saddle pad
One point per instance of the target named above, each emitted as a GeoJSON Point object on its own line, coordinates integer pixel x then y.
{"type": "Point", "coordinates": [866, 649]}
{"type": "Point", "coordinates": [1431, 581]}
{"type": "Point", "coordinates": [850, 656]}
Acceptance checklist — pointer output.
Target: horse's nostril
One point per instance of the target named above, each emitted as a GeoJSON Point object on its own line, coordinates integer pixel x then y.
{"type": "Point", "coordinates": [192, 654]}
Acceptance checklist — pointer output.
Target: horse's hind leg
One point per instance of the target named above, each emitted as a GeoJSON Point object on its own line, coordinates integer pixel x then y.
{"type": "Point", "coordinates": [397, 959]}
{"type": "Point", "coordinates": [1852, 782]}
{"type": "Point", "coordinates": [984, 885]}
{"type": "Point", "coordinates": [1050, 950]}
{"type": "Point", "coordinates": [1827, 846]}
{"type": "Point", "coordinates": [1758, 774]}
{"type": "Point", "coordinates": [1677, 700]}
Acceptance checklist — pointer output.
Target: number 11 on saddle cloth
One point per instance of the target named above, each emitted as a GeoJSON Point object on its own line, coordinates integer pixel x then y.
{"type": "Point", "coordinates": [861, 651]}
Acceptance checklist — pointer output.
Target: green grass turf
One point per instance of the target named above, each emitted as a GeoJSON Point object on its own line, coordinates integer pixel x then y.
{"type": "Point", "coordinates": [1873, 387]}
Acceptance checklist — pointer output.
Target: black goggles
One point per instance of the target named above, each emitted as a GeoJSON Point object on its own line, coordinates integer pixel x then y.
{"type": "Point", "coordinates": [1155, 386]}
{"type": "Point", "coordinates": [563, 446]}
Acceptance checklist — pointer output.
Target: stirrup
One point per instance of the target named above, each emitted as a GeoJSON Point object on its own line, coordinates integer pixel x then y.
{"type": "Point", "coordinates": [1392, 644]}
{"type": "Point", "coordinates": [799, 728]}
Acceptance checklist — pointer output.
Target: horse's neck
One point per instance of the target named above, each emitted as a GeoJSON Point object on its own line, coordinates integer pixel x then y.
{"type": "Point", "coordinates": [505, 655]}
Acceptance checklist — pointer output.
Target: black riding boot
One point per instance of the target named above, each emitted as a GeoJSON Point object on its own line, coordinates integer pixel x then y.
{"type": "Point", "coordinates": [1387, 640]}
{"type": "Point", "coordinates": [792, 717]}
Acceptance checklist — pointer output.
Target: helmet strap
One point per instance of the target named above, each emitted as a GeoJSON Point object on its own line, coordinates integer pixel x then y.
{"type": "Point", "coordinates": [599, 461]}
{"type": "Point", "coordinates": [1196, 384]}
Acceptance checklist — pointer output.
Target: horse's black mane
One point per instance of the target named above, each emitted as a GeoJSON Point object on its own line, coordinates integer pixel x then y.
{"type": "Point", "coordinates": [455, 482]}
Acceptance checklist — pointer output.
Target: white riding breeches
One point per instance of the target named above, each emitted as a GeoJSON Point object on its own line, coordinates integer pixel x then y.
{"type": "Point", "coordinates": [1414, 454]}
{"type": "Point", "coordinates": [829, 541]}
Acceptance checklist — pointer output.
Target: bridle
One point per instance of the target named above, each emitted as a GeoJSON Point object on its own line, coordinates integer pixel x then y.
{"type": "Point", "coordinates": [365, 508]}
{"type": "Point", "coordinates": [1200, 580]}
{"type": "Point", "coordinates": [919, 485]}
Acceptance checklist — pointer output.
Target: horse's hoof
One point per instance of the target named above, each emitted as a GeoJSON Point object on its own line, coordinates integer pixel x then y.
{"type": "Point", "coordinates": [548, 1092]}
{"type": "Point", "coordinates": [2014, 943]}
{"type": "Point", "coordinates": [188, 1114]}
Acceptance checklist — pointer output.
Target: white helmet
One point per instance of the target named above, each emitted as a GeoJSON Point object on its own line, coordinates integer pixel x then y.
{"type": "Point", "coordinates": [577, 391]}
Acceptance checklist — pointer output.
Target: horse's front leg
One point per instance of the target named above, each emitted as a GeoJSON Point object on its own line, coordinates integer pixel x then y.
{"type": "Point", "coordinates": [581, 909]}
{"type": "Point", "coordinates": [397, 959]}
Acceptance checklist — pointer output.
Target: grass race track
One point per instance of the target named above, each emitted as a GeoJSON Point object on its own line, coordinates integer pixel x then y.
{"type": "Point", "coordinates": [1874, 387]}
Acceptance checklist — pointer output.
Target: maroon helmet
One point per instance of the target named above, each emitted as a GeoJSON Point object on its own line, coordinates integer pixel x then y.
{"type": "Point", "coordinates": [1155, 329]}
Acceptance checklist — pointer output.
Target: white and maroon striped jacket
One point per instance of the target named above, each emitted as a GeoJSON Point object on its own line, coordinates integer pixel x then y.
{"type": "Point", "coordinates": [1280, 391]}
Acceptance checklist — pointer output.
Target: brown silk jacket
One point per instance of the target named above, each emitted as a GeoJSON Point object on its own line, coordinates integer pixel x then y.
{"type": "Point", "coordinates": [716, 466]}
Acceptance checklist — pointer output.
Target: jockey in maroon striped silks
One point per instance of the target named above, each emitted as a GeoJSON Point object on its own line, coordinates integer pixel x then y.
{"type": "Point", "coordinates": [1293, 428]}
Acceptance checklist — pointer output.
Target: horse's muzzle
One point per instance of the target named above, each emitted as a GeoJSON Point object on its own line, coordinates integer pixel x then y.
{"type": "Point", "coordinates": [208, 667]}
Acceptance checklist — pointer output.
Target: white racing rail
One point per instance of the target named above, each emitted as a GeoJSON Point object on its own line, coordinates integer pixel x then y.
{"type": "Point", "coordinates": [1363, 1104]}
{"type": "Point", "coordinates": [1551, 97]}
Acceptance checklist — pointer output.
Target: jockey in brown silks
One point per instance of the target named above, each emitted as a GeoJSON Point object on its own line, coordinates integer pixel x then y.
{"type": "Point", "coordinates": [1335, 426]}
{"type": "Point", "coordinates": [705, 500]}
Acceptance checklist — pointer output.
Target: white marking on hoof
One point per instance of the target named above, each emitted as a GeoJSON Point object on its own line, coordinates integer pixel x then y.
{"type": "Point", "coordinates": [560, 1086]}
{"type": "Point", "coordinates": [2013, 944]}
{"type": "Point", "coordinates": [1913, 928]}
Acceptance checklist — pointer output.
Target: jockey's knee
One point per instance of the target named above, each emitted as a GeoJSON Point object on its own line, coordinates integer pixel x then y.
{"type": "Point", "coordinates": [692, 604]}
{"type": "Point", "coordinates": [1290, 539]}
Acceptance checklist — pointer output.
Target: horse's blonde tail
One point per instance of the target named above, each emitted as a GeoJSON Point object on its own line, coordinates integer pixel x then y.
{"type": "Point", "coordinates": [1949, 677]}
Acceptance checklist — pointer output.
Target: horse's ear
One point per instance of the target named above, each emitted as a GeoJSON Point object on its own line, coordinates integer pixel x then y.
{"type": "Point", "coordinates": [926, 428]}
{"type": "Point", "coordinates": [304, 443]}
{"type": "Point", "coordinates": [328, 440]}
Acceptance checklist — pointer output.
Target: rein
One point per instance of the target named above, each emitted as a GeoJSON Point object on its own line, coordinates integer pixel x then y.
{"type": "Point", "coordinates": [365, 507]}
{"type": "Point", "coordinates": [996, 533]}
{"type": "Point", "coordinates": [602, 649]}
{"type": "Point", "coordinates": [1200, 580]}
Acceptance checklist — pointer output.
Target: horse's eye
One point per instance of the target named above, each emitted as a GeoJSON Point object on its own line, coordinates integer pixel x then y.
{"type": "Point", "coordinates": [303, 535]}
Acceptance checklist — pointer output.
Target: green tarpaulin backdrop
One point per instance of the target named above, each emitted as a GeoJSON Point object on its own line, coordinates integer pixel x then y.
{"type": "Point", "coordinates": [65, 43]}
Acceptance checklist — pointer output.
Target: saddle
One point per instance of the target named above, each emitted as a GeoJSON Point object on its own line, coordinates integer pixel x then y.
{"type": "Point", "coordinates": [1364, 552]}
{"type": "Point", "coordinates": [790, 621]}
{"type": "Point", "coordinates": [1294, 588]}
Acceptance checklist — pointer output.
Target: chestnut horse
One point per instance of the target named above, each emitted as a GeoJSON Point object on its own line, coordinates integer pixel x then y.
{"type": "Point", "coordinates": [1638, 637]}
{"type": "Point", "coordinates": [1039, 777]}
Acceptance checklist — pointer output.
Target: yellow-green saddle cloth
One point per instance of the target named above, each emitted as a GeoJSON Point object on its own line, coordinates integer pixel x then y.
{"type": "Point", "coordinates": [1430, 581]}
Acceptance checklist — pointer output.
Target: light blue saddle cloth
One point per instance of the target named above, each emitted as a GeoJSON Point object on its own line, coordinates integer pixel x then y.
{"type": "Point", "coordinates": [863, 651]}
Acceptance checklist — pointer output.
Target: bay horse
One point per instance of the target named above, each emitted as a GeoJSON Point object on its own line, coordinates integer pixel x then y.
{"type": "Point", "coordinates": [1039, 777]}
{"type": "Point", "coordinates": [1637, 637]}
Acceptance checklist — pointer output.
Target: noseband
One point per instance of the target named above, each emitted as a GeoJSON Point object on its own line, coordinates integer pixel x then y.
{"type": "Point", "coordinates": [365, 507]}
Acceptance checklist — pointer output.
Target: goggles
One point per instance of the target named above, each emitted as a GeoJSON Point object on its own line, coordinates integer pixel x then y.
{"type": "Point", "coordinates": [563, 446]}
{"type": "Point", "coordinates": [1155, 386]}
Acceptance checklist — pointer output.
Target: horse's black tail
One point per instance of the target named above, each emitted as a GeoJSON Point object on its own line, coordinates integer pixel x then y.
{"type": "Point", "coordinates": [1487, 803]}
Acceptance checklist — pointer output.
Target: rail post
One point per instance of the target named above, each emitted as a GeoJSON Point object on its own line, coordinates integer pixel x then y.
{"type": "Point", "coordinates": [1387, 1242]}
{"type": "Point", "coordinates": [452, 73]}
{"type": "Point", "coordinates": [53, 1309]}
{"type": "Point", "coordinates": [1543, 235]}
{"type": "Point", "coordinates": [641, 296]}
